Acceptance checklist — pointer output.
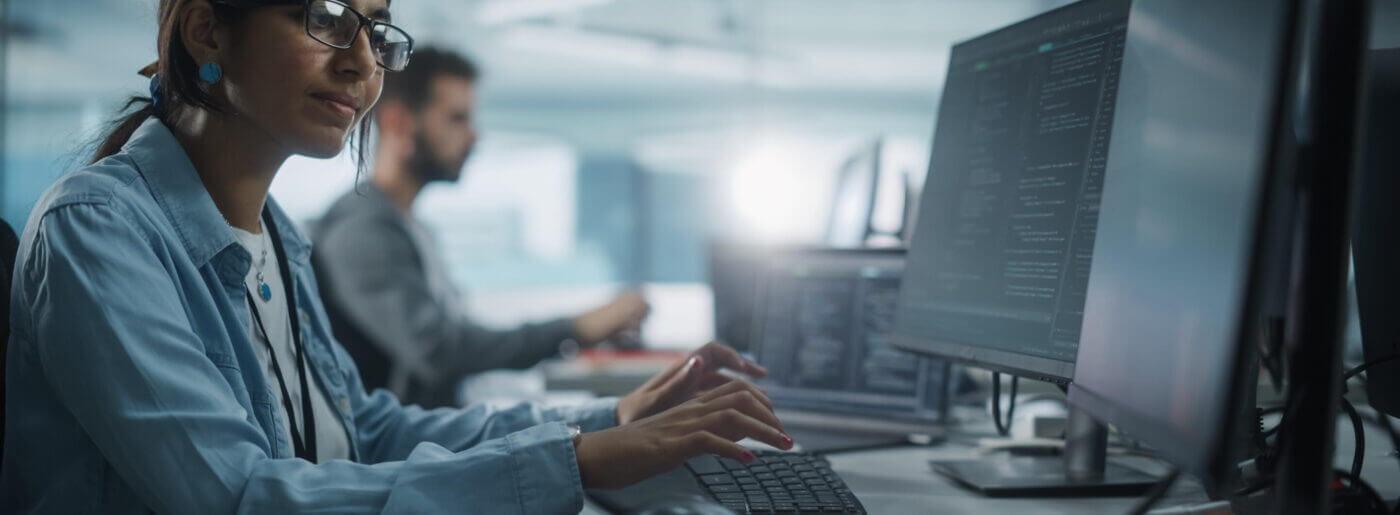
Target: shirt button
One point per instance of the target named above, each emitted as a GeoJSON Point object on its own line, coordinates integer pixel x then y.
{"type": "Point", "coordinates": [345, 405]}
{"type": "Point", "coordinates": [305, 318]}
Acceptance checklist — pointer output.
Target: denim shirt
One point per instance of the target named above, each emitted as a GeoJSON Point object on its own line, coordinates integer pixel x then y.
{"type": "Point", "coordinates": [132, 383]}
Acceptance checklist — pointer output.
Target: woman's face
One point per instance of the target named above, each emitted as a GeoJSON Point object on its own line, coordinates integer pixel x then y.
{"type": "Point", "coordinates": [306, 95]}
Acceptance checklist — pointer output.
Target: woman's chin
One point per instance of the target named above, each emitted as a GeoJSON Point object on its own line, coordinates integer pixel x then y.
{"type": "Point", "coordinates": [324, 146]}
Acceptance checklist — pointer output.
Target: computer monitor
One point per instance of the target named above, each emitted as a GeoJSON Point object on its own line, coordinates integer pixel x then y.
{"type": "Point", "coordinates": [1000, 258]}
{"type": "Point", "coordinates": [1177, 294]}
{"type": "Point", "coordinates": [1375, 250]}
{"type": "Point", "coordinates": [822, 329]}
{"type": "Point", "coordinates": [733, 275]}
{"type": "Point", "coordinates": [853, 204]}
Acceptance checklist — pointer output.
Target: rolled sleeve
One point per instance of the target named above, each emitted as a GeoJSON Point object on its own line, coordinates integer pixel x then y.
{"type": "Point", "coordinates": [531, 471]}
{"type": "Point", "coordinates": [546, 489]}
{"type": "Point", "coordinates": [593, 415]}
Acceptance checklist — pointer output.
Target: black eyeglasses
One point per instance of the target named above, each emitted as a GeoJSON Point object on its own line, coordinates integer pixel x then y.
{"type": "Point", "coordinates": [337, 25]}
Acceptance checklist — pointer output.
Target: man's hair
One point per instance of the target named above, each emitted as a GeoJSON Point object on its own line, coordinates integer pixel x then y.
{"type": "Point", "coordinates": [412, 85]}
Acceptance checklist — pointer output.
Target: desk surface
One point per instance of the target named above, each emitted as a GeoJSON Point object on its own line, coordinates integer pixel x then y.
{"type": "Point", "coordinates": [899, 480]}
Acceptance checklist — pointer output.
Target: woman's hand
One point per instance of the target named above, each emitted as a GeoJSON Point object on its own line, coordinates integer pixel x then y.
{"type": "Point", "coordinates": [685, 379]}
{"type": "Point", "coordinates": [710, 423]}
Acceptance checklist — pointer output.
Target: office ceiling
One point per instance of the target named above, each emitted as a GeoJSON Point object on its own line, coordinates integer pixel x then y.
{"type": "Point", "coordinates": [567, 51]}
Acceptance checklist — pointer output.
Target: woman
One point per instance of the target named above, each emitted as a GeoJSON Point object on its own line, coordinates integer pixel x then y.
{"type": "Point", "coordinates": [169, 351]}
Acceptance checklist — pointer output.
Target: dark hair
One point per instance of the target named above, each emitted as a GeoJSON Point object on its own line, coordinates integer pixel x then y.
{"type": "Point", "coordinates": [178, 79]}
{"type": "Point", "coordinates": [412, 85]}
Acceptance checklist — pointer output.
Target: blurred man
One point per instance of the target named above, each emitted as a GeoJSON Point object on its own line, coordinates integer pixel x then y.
{"type": "Point", "coordinates": [386, 288]}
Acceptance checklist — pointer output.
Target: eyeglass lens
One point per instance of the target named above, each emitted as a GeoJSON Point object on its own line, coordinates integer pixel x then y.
{"type": "Point", "coordinates": [337, 25]}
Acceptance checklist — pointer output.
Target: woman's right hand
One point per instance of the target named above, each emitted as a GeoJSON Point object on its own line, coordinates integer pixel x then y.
{"type": "Point", "coordinates": [708, 424]}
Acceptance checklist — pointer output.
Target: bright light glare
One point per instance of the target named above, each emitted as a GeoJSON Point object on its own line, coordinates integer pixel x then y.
{"type": "Point", "coordinates": [777, 196]}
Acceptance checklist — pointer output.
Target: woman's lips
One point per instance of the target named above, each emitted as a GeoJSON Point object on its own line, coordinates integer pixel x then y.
{"type": "Point", "coordinates": [344, 108]}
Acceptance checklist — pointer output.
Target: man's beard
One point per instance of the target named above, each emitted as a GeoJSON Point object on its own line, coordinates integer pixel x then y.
{"type": "Point", "coordinates": [425, 165]}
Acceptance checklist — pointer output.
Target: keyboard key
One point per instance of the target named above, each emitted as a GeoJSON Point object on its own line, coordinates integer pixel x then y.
{"type": "Point", "coordinates": [722, 488]}
{"type": "Point", "coordinates": [764, 476]}
{"type": "Point", "coordinates": [702, 465]}
{"type": "Point", "coordinates": [716, 479]}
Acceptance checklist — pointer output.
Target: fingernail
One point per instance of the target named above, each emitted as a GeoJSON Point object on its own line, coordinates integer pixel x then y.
{"type": "Point", "coordinates": [693, 364]}
{"type": "Point", "coordinates": [787, 440]}
{"type": "Point", "coordinates": [748, 457]}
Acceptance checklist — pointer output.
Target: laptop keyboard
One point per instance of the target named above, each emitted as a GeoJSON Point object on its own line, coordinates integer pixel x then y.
{"type": "Point", "coordinates": [775, 482]}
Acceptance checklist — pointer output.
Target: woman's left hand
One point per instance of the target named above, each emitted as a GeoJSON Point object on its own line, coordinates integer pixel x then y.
{"type": "Point", "coordinates": [685, 379]}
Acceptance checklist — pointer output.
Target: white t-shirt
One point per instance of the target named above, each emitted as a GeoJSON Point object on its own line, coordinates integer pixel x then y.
{"type": "Point", "coordinates": [331, 441]}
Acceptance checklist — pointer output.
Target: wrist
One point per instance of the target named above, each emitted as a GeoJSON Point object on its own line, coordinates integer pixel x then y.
{"type": "Point", "coordinates": [581, 454]}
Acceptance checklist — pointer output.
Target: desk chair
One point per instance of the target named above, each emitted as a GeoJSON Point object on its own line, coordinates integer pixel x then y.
{"type": "Point", "coordinates": [9, 245]}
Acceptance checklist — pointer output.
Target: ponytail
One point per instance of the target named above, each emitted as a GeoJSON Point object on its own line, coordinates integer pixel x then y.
{"type": "Point", "coordinates": [119, 131]}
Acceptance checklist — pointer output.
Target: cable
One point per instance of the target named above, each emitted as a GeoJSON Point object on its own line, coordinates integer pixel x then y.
{"type": "Point", "coordinates": [1003, 428]}
{"type": "Point", "coordinates": [1356, 483]}
{"type": "Point", "coordinates": [1358, 456]}
{"type": "Point", "coordinates": [1362, 367]}
{"type": "Point", "coordinates": [1156, 494]}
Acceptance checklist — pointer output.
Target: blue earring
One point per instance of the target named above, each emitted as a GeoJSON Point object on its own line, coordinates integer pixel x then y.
{"type": "Point", "coordinates": [210, 73]}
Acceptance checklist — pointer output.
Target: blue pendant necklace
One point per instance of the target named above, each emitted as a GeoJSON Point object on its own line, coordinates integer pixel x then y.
{"type": "Point", "coordinates": [264, 290]}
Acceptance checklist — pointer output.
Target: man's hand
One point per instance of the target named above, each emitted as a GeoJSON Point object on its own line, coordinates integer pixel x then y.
{"type": "Point", "coordinates": [622, 314]}
{"type": "Point", "coordinates": [685, 379]}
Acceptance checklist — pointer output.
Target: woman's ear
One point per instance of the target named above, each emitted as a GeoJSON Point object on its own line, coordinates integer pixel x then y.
{"type": "Point", "coordinates": [200, 32]}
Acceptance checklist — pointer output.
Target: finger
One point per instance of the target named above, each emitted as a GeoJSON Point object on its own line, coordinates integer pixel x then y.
{"type": "Point", "coordinates": [668, 375]}
{"type": "Point", "coordinates": [713, 380]}
{"type": "Point", "coordinates": [750, 404]}
{"type": "Point", "coordinates": [705, 442]}
{"type": "Point", "coordinates": [735, 425]}
{"type": "Point", "coordinates": [733, 386]}
{"type": "Point", "coordinates": [720, 355]}
{"type": "Point", "coordinates": [684, 381]}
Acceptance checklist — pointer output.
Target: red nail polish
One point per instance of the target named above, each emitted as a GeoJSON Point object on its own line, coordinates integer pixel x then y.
{"type": "Point", "coordinates": [748, 457]}
{"type": "Point", "coordinates": [787, 440]}
{"type": "Point", "coordinates": [695, 363]}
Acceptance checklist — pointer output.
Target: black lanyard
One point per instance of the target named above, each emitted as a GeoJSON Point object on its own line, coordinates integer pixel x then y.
{"type": "Point", "coordinates": [305, 450]}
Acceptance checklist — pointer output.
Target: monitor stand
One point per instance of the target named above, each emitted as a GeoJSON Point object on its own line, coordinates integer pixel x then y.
{"type": "Point", "coordinates": [1082, 470]}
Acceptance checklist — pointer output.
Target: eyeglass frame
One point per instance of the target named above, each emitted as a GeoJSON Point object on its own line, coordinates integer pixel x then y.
{"type": "Point", "coordinates": [365, 21]}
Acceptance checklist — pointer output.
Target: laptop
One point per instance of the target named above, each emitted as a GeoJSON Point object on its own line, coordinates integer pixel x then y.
{"type": "Point", "coordinates": [821, 328]}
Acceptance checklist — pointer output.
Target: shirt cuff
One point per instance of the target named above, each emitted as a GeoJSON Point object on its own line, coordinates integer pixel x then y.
{"type": "Point", "coordinates": [546, 469]}
{"type": "Point", "coordinates": [592, 415]}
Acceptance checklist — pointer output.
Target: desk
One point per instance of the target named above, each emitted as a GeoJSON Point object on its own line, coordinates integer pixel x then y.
{"type": "Point", "coordinates": [899, 481]}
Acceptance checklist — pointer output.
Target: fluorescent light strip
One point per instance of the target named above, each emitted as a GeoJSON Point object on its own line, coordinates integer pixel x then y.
{"type": "Point", "coordinates": [493, 12]}
{"type": "Point", "coordinates": [685, 59]}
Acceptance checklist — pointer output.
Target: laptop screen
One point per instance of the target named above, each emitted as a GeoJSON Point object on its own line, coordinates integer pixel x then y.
{"type": "Point", "coordinates": [823, 328]}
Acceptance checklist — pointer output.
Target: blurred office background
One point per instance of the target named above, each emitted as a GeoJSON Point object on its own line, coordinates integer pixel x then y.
{"type": "Point", "coordinates": [620, 138]}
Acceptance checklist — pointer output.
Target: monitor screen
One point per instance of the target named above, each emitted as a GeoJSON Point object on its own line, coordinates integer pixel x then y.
{"type": "Point", "coordinates": [999, 264]}
{"type": "Point", "coordinates": [1162, 342]}
{"type": "Point", "coordinates": [823, 332]}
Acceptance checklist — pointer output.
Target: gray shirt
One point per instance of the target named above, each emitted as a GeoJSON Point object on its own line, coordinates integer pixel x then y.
{"type": "Point", "coordinates": [393, 306]}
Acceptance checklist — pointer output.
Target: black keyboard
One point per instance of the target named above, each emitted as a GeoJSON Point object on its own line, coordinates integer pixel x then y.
{"type": "Point", "coordinates": [775, 482]}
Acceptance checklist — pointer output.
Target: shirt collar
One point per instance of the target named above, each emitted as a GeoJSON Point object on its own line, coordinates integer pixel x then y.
{"type": "Point", "coordinates": [179, 191]}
